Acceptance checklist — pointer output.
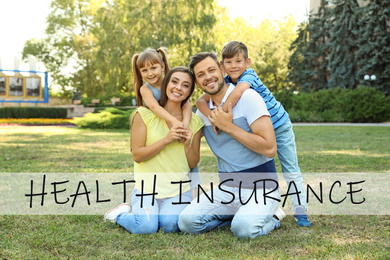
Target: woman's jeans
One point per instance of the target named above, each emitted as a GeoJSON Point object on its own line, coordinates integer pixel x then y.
{"type": "Point", "coordinates": [150, 218]}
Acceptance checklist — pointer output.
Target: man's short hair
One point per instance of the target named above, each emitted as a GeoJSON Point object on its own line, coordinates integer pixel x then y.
{"type": "Point", "coordinates": [201, 56]}
{"type": "Point", "coordinates": [232, 48]}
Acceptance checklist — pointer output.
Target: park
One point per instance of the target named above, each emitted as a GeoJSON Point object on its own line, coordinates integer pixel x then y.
{"type": "Point", "coordinates": [65, 140]}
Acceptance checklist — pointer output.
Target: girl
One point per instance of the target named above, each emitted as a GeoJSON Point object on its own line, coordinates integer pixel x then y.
{"type": "Point", "coordinates": [149, 66]}
{"type": "Point", "coordinates": [159, 159]}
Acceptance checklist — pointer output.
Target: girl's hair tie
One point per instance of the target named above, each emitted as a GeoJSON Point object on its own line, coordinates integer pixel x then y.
{"type": "Point", "coordinates": [158, 51]}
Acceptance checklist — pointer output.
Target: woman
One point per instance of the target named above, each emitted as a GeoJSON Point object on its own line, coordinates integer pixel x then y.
{"type": "Point", "coordinates": [161, 162]}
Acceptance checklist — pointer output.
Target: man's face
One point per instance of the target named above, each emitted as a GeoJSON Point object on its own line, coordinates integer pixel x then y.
{"type": "Point", "coordinates": [209, 76]}
{"type": "Point", "coordinates": [235, 66]}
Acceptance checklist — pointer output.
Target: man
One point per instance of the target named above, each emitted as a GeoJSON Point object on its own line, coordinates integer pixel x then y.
{"type": "Point", "coordinates": [247, 196]}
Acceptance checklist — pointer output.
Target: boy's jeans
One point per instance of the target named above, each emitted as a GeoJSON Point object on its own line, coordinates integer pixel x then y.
{"type": "Point", "coordinates": [149, 219]}
{"type": "Point", "coordinates": [247, 221]}
{"type": "Point", "coordinates": [287, 153]}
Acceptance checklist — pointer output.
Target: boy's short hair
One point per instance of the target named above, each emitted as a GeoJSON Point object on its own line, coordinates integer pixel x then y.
{"type": "Point", "coordinates": [201, 56]}
{"type": "Point", "coordinates": [232, 48]}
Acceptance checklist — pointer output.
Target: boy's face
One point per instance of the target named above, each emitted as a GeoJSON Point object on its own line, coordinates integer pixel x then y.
{"type": "Point", "coordinates": [235, 66]}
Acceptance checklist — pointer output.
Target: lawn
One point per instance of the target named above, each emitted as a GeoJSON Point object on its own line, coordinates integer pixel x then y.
{"type": "Point", "coordinates": [322, 149]}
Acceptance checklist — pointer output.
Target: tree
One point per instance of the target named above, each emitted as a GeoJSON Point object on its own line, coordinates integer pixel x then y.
{"type": "Point", "coordinates": [373, 55]}
{"type": "Point", "coordinates": [68, 49]}
{"type": "Point", "coordinates": [318, 48]}
{"type": "Point", "coordinates": [89, 44]}
{"type": "Point", "coordinates": [298, 66]}
{"type": "Point", "coordinates": [268, 45]}
{"type": "Point", "coordinates": [309, 61]}
{"type": "Point", "coordinates": [124, 28]}
{"type": "Point", "coordinates": [273, 54]}
{"type": "Point", "coordinates": [343, 44]}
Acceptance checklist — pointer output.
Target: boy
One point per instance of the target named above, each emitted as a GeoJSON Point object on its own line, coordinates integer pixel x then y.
{"type": "Point", "coordinates": [236, 64]}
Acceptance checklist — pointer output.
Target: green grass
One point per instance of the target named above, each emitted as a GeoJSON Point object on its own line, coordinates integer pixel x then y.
{"type": "Point", "coordinates": [343, 148]}
{"type": "Point", "coordinates": [60, 149]}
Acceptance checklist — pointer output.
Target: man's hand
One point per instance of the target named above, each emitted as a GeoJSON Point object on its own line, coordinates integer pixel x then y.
{"type": "Point", "coordinates": [221, 119]}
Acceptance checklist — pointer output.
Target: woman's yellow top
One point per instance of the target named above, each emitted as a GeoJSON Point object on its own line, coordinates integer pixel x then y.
{"type": "Point", "coordinates": [169, 165]}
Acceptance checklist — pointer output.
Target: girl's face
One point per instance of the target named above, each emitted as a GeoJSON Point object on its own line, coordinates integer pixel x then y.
{"type": "Point", "coordinates": [179, 86]}
{"type": "Point", "coordinates": [152, 73]}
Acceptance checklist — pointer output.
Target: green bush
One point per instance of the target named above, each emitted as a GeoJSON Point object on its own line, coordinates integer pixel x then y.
{"type": "Point", "coordinates": [363, 104]}
{"type": "Point", "coordinates": [366, 104]}
{"type": "Point", "coordinates": [285, 97]}
{"type": "Point", "coordinates": [110, 118]}
{"type": "Point", "coordinates": [33, 112]}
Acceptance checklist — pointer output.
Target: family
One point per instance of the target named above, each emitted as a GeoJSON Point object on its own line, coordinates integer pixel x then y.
{"type": "Point", "coordinates": [245, 128]}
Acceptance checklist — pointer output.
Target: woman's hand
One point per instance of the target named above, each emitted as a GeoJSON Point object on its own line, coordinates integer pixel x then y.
{"type": "Point", "coordinates": [176, 133]}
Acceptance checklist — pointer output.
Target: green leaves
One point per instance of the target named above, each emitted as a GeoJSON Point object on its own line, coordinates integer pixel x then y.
{"type": "Point", "coordinates": [345, 43]}
{"type": "Point", "coordinates": [89, 44]}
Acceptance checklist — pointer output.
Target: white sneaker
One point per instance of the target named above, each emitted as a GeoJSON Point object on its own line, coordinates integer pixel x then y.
{"type": "Point", "coordinates": [112, 214]}
{"type": "Point", "coordinates": [279, 213]}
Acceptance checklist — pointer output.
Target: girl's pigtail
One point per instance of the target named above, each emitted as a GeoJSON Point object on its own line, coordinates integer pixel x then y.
{"type": "Point", "coordinates": [138, 82]}
{"type": "Point", "coordinates": [164, 59]}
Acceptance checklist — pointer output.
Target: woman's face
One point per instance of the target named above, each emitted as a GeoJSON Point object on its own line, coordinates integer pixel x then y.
{"type": "Point", "coordinates": [179, 86]}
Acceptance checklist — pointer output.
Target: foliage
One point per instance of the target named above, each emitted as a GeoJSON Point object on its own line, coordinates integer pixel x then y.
{"type": "Point", "coordinates": [33, 112]}
{"type": "Point", "coordinates": [309, 62]}
{"type": "Point", "coordinates": [269, 50]}
{"type": "Point", "coordinates": [336, 105]}
{"type": "Point", "coordinates": [110, 118]}
{"type": "Point", "coordinates": [89, 44]}
{"type": "Point", "coordinates": [366, 105]}
{"type": "Point", "coordinates": [343, 44]}
{"type": "Point", "coordinates": [298, 64]}
{"type": "Point", "coordinates": [373, 55]}
{"type": "Point", "coordinates": [96, 39]}
{"type": "Point", "coordinates": [68, 49]}
{"type": "Point", "coordinates": [340, 44]}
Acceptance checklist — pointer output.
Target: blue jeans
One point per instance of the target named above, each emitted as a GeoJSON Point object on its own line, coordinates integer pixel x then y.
{"type": "Point", "coordinates": [149, 219]}
{"type": "Point", "coordinates": [194, 176]}
{"type": "Point", "coordinates": [287, 153]}
{"type": "Point", "coordinates": [247, 221]}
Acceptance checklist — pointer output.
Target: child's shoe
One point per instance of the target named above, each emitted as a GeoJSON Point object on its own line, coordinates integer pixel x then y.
{"type": "Point", "coordinates": [301, 217]}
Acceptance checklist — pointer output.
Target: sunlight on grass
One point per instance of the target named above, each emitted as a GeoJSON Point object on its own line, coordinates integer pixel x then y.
{"type": "Point", "coordinates": [347, 239]}
{"type": "Point", "coordinates": [352, 152]}
{"type": "Point", "coordinates": [108, 147]}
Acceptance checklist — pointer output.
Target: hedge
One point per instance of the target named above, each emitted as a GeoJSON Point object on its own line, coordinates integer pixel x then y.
{"type": "Point", "coordinates": [362, 104]}
{"type": "Point", "coordinates": [332, 105]}
{"type": "Point", "coordinates": [110, 118]}
{"type": "Point", "coordinates": [33, 112]}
